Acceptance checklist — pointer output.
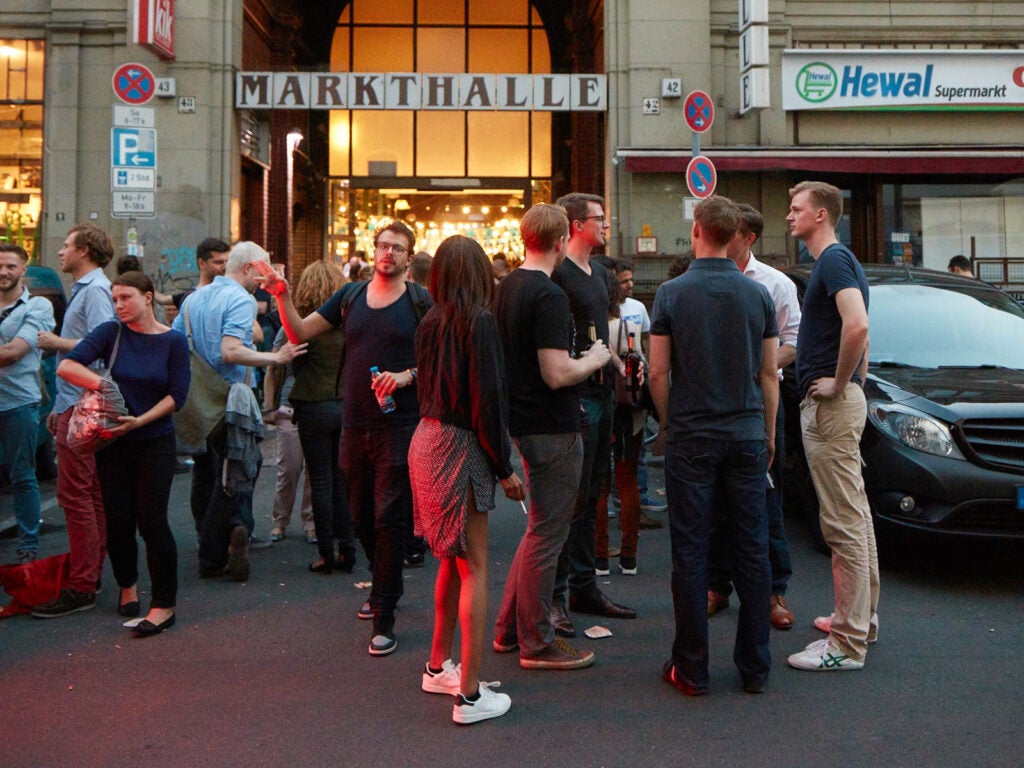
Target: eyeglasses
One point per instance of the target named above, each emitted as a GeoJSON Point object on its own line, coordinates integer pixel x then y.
{"type": "Point", "coordinates": [396, 250]}
{"type": "Point", "coordinates": [603, 220]}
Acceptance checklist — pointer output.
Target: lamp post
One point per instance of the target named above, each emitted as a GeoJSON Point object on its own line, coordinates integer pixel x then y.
{"type": "Point", "coordinates": [292, 143]}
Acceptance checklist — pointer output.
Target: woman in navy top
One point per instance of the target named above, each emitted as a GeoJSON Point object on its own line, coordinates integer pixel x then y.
{"type": "Point", "coordinates": [151, 368]}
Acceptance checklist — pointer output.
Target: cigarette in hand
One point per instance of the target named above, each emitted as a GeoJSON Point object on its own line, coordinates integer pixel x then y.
{"type": "Point", "coordinates": [523, 505]}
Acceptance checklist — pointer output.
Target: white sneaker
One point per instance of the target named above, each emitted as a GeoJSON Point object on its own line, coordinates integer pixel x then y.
{"type": "Point", "coordinates": [490, 704]}
{"type": "Point", "coordinates": [823, 656]}
{"type": "Point", "coordinates": [824, 623]}
{"type": "Point", "coordinates": [445, 681]}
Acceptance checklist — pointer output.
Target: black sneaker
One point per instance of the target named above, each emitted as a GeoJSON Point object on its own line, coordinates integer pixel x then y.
{"type": "Point", "coordinates": [383, 641]}
{"type": "Point", "coordinates": [68, 601]}
{"type": "Point", "coordinates": [414, 560]}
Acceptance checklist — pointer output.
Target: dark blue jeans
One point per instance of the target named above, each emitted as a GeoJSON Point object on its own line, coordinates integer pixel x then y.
{"type": "Point", "coordinates": [136, 476]}
{"type": "Point", "coordinates": [721, 563]}
{"type": "Point", "coordinates": [376, 468]}
{"type": "Point", "coordinates": [694, 469]}
{"type": "Point", "coordinates": [224, 509]}
{"type": "Point", "coordinates": [18, 429]}
{"type": "Point", "coordinates": [576, 562]}
{"type": "Point", "coordinates": [319, 425]}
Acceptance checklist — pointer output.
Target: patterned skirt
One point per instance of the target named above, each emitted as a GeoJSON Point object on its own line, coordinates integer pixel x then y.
{"type": "Point", "coordinates": [444, 461]}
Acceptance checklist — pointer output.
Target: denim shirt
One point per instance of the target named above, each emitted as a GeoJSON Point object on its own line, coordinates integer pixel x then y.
{"type": "Point", "coordinates": [222, 308]}
{"type": "Point", "coordinates": [19, 381]}
{"type": "Point", "coordinates": [90, 305]}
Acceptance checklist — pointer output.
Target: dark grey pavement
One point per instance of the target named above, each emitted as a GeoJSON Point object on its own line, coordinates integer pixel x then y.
{"type": "Point", "coordinates": [274, 672]}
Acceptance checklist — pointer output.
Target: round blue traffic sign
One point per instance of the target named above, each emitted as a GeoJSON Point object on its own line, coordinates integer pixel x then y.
{"type": "Point", "coordinates": [701, 176]}
{"type": "Point", "coordinates": [698, 111]}
{"type": "Point", "coordinates": [133, 83]}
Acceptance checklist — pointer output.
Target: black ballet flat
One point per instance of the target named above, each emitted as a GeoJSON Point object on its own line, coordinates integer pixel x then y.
{"type": "Point", "coordinates": [130, 609]}
{"type": "Point", "coordinates": [147, 628]}
{"type": "Point", "coordinates": [321, 566]}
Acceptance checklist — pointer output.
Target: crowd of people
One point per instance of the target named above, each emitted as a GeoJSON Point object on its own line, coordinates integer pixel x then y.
{"type": "Point", "coordinates": [401, 398]}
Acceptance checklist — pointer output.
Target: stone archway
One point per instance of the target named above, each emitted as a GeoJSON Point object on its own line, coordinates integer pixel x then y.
{"type": "Point", "coordinates": [297, 34]}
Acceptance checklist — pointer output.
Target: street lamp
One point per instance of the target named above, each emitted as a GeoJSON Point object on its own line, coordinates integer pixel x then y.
{"type": "Point", "coordinates": [292, 144]}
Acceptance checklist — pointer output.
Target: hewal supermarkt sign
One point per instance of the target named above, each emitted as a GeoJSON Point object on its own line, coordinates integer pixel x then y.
{"type": "Point", "coordinates": [903, 80]}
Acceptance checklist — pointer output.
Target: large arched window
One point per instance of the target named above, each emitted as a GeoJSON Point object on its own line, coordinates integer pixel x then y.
{"type": "Point", "coordinates": [440, 36]}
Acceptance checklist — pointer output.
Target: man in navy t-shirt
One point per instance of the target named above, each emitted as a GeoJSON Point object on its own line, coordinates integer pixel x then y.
{"type": "Point", "coordinates": [379, 320]}
{"type": "Point", "coordinates": [831, 364]}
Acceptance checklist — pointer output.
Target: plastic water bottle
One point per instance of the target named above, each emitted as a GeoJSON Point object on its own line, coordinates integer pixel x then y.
{"type": "Point", "coordinates": [386, 402]}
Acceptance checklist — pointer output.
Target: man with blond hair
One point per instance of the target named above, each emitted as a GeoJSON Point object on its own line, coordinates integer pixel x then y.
{"type": "Point", "coordinates": [544, 420]}
{"type": "Point", "coordinates": [831, 365]}
{"type": "Point", "coordinates": [87, 249]}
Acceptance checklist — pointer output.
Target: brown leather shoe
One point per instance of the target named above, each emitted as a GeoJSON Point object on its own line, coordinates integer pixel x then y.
{"type": "Point", "coordinates": [561, 622]}
{"type": "Point", "coordinates": [649, 523]}
{"type": "Point", "coordinates": [716, 602]}
{"type": "Point", "coordinates": [782, 617]}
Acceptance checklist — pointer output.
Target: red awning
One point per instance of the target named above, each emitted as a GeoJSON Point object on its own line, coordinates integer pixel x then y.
{"type": "Point", "coordinates": [947, 161]}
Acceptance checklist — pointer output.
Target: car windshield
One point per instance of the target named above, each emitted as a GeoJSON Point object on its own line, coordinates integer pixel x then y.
{"type": "Point", "coordinates": [957, 326]}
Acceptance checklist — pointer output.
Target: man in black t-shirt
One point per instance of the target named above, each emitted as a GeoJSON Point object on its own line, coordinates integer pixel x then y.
{"type": "Point", "coordinates": [831, 365]}
{"type": "Point", "coordinates": [380, 320]}
{"type": "Point", "coordinates": [544, 419]}
{"type": "Point", "coordinates": [587, 282]}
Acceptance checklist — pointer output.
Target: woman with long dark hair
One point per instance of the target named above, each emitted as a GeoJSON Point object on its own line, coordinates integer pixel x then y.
{"type": "Point", "coordinates": [460, 446]}
{"type": "Point", "coordinates": [151, 369]}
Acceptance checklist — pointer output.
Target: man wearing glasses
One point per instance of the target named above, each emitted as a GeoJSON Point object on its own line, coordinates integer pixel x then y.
{"type": "Point", "coordinates": [587, 284]}
{"type": "Point", "coordinates": [379, 319]}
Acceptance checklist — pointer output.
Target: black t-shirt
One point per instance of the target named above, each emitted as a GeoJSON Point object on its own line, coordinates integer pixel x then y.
{"type": "Point", "coordinates": [382, 337]}
{"type": "Point", "coordinates": [817, 345]}
{"type": "Point", "coordinates": [533, 314]}
{"type": "Point", "coordinates": [588, 302]}
{"type": "Point", "coordinates": [178, 298]}
{"type": "Point", "coordinates": [718, 320]}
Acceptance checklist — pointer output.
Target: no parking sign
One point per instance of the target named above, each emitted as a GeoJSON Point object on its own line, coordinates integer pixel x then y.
{"type": "Point", "coordinates": [133, 83]}
{"type": "Point", "coordinates": [701, 176]}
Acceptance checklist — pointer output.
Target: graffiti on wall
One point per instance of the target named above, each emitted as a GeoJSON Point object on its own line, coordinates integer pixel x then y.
{"type": "Point", "coordinates": [176, 270]}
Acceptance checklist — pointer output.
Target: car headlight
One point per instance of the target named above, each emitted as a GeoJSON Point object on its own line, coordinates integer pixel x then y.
{"type": "Point", "coordinates": [914, 429]}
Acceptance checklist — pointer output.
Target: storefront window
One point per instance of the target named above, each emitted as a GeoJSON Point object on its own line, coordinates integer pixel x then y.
{"type": "Point", "coordinates": [925, 225]}
{"type": "Point", "coordinates": [489, 216]}
{"type": "Point", "coordinates": [21, 141]}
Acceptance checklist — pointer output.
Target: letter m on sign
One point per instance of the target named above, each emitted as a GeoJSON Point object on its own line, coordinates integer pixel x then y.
{"type": "Point", "coordinates": [252, 90]}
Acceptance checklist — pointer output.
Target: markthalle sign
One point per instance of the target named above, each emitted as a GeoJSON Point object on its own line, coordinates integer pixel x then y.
{"type": "Point", "coordinates": [415, 91]}
{"type": "Point", "coordinates": [902, 80]}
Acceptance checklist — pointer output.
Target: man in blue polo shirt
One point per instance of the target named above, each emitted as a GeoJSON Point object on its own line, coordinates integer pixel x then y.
{"type": "Point", "coordinates": [714, 330]}
{"type": "Point", "coordinates": [22, 317]}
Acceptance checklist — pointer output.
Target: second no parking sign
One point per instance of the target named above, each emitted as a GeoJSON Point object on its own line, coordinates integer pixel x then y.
{"type": "Point", "coordinates": [701, 176]}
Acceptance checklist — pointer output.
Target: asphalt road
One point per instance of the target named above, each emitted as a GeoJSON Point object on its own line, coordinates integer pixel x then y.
{"type": "Point", "coordinates": [275, 672]}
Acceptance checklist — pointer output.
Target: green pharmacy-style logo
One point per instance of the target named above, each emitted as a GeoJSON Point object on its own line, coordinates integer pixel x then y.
{"type": "Point", "coordinates": [816, 82]}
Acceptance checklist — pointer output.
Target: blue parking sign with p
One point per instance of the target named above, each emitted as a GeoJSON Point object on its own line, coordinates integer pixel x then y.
{"type": "Point", "coordinates": [133, 147]}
